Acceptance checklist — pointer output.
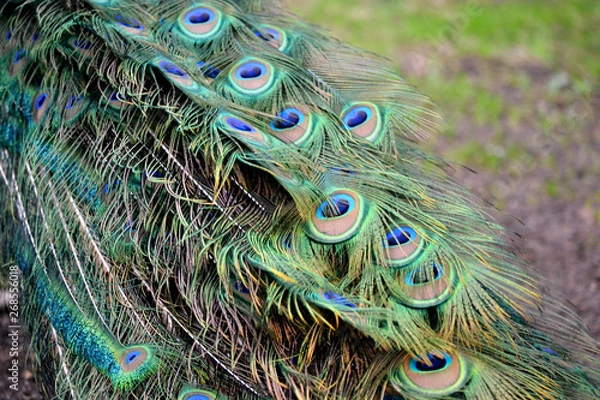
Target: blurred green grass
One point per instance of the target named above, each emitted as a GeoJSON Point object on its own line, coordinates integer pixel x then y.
{"type": "Point", "coordinates": [491, 65]}
{"type": "Point", "coordinates": [560, 33]}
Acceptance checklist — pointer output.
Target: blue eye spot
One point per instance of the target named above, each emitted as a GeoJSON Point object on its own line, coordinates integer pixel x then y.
{"type": "Point", "coordinates": [268, 34]}
{"type": "Point", "coordinates": [288, 118]}
{"type": "Point", "coordinates": [132, 356]}
{"type": "Point", "coordinates": [335, 298]}
{"type": "Point", "coordinates": [212, 72]}
{"type": "Point", "coordinates": [272, 34]}
{"type": "Point", "coordinates": [117, 97]}
{"type": "Point", "coordinates": [438, 362]}
{"type": "Point", "coordinates": [19, 55]}
{"type": "Point", "coordinates": [357, 116]}
{"type": "Point", "coordinates": [209, 70]}
{"type": "Point", "coordinates": [287, 241]}
{"type": "Point", "coordinates": [197, 397]}
{"type": "Point", "coordinates": [419, 276]}
{"type": "Point", "coordinates": [337, 206]}
{"type": "Point", "coordinates": [8, 35]}
{"type": "Point", "coordinates": [110, 187]}
{"type": "Point", "coordinates": [131, 226]}
{"type": "Point", "coordinates": [199, 15]}
{"type": "Point", "coordinates": [154, 174]}
{"type": "Point", "coordinates": [41, 99]}
{"type": "Point", "coordinates": [342, 171]}
{"type": "Point", "coordinates": [239, 125]}
{"type": "Point", "coordinates": [73, 100]}
{"type": "Point", "coordinates": [172, 69]}
{"type": "Point", "coordinates": [549, 351]}
{"type": "Point", "coordinates": [241, 288]}
{"type": "Point", "coordinates": [83, 44]}
{"type": "Point", "coordinates": [129, 22]}
{"type": "Point", "coordinates": [251, 70]}
{"type": "Point", "coordinates": [400, 236]}
{"type": "Point", "coordinates": [392, 397]}
{"type": "Point", "coordinates": [34, 37]}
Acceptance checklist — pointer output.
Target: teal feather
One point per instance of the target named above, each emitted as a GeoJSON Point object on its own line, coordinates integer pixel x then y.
{"type": "Point", "coordinates": [245, 197]}
{"type": "Point", "coordinates": [125, 366]}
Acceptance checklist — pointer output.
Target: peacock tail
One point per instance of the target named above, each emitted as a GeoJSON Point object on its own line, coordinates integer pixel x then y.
{"type": "Point", "coordinates": [216, 200]}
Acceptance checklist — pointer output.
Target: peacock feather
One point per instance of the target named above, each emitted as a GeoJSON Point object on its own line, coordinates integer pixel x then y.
{"type": "Point", "coordinates": [216, 200]}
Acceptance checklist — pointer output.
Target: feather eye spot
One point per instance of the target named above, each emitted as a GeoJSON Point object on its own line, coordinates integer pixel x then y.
{"type": "Point", "coordinates": [400, 236]}
{"type": "Point", "coordinates": [252, 76]}
{"type": "Point", "coordinates": [135, 358]}
{"type": "Point", "coordinates": [422, 276]}
{"type": "Point", "coordinates": [436, 362]}
{"type": "Point", "coordinates": [392, 397]}
{"type": "Point", "coordinates": [132, 356]}
{"type": "Point", "coordinates": [549, 351]}
{"type": "Point", "coordinates": [197, 397]}
{"type": "Point", "coordinates": [357, 117]}
{"type": "Point", "coordinates": [338, 218]}
{"type": "Point", "coordinates": [239, 125]}
{"type": "Point", "coordinates": [439, 375]}
{"type": "Point", "coordinates": [172, 69]}
{"type": "Point", "coordinates": [41, 100]}
{"type": "Point", "coordinates": [153, 175]}
{"type": "Point", "coordinates": [82, 43]}
{"type": "Point", "coordinates": [116, 99]}
{"type": "Point", "coordinates": [35, 37]}
{"type": "Point", "coordinates": [337, 206]}
{"type": "Point", "coordinates": [208, 70]}
{"type": "Point", "coordinates": [19, 56]}
{"type": "Point", "coordinates": [427, 285]}
{"type": "Point", "coordinates": [175, 73]}
{"type": "Point", "coordinates": [108, 188]}
{"type": "Point", "coordinates": [199, 16]}
{"type": "Point", "coordinates": [287, 118]}
{"type": "Point", "coordinates": [241, 288]}
{"type": "Point", "coordinates": [334, 298]}
{"type": "Point", "coordinates": [363, 120]}
{"type": "Point", "coordinates": [131, 226]}
{"type": "Point", "coordinates": [287, 241]}
{"type": "Point", "coordinates": [273, 36]}
{"type": "Point", "coordinates": [268, 34]}
{"type": "Point", "coordinates": [128, 22]}
{"type": "Point", "coordinates": [201, 22]}
{"type": "Point", "coordinates": [8, 35]}
{"type": "Point", "coordinates": [40, 105]}
{"type": "Point", "coordinates": [243, 129]}
{"type": "Point", "coordinates": [73, 101]}
{"type": "Point", "coordinates": [342, 171]}
{"type": "Point", "coordinates": [402, 245]}
{"type": "Point", "coordinates": [196, 394]}
{"type": "Point", "coordinates": [292, 125]}
{"type": "Point", "coordinates": [241, 291]}
{"type": "Point", "coordinates": [73, 106]}
{"type": "Point", "coordinates": [251, 70]}
{"type": "Point", "coordinates": [557, 358]}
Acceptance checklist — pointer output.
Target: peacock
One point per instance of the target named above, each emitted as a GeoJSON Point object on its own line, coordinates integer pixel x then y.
{"type": "Point", "coordinates": [213, 199]}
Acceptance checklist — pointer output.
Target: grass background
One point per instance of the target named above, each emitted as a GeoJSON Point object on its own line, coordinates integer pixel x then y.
{"type": "Point", "coordinates": [518, 83]}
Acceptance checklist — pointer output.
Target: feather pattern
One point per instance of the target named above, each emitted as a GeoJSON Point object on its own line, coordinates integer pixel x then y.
{"type": "Point", "coordinates": [213, 199]}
